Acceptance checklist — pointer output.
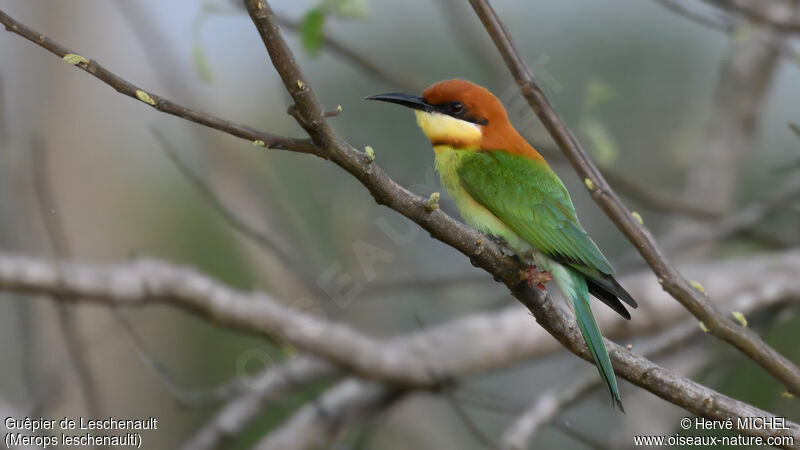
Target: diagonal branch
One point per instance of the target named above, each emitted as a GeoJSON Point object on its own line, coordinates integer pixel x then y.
{"type": "Point", "coordinates": [160, 103]}
{"type": "Point", "coordinates": [679, 287]}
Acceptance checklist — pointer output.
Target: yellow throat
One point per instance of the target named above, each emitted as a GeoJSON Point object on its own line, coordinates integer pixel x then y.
{"type": "Point", "coordinates": [442, 129]}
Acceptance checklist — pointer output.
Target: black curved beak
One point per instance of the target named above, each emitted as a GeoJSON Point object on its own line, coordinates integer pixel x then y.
{"type": "Point", "coordinates": [407, 100]}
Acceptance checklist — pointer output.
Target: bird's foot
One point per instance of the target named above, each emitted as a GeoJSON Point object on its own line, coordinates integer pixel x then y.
{"type": "Point", "coordinates": [536, 277]}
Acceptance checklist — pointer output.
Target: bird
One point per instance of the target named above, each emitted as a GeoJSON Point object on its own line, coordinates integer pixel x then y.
{"type": "Point", "coordinates": [504, 188]}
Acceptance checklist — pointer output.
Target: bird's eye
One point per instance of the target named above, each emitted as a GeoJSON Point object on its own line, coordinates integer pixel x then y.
{"type": "Point", "coordinates": [456, 108]}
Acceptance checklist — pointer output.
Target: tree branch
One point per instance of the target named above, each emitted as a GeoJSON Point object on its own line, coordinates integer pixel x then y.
{"type": "Point", "coordinates": [695, 301]}
{"type": "Point", "coordinates": [129, 89]}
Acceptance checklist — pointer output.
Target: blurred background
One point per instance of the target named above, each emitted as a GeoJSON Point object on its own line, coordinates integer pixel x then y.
{"type": "Point", "coordinates": [689, 120]}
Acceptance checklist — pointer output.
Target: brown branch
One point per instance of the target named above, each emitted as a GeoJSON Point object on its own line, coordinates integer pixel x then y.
{"type": "Point", "coordinates": [129, 89]}
{"type": "Point", "coordinates": [695, 301]}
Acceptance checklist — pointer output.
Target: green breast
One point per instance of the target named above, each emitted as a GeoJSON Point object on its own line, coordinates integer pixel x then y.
{"type": "Point", "coordinates": [448, 160]}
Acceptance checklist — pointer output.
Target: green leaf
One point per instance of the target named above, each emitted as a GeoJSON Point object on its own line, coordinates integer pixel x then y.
{"type": "Point", "coordinates": [433, 202]}
{"type": "Point", "coordinates": [739, 318]}
{"type": "Point", "coordinates": [697, 286]}
{"type": "Point", "coordinates": [145, 97]}
{"type": "Point", "coordinates": [311, 30]}
{"type": "Point", "coordinates": [74, 59]}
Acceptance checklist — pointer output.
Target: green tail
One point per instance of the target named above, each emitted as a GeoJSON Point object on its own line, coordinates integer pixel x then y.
{"type": "Point", "coordinates": [574, 286]}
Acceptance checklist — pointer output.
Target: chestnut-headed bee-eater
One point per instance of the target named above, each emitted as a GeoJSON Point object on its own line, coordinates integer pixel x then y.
{"type": "Point", "coordinates": [503, 187]}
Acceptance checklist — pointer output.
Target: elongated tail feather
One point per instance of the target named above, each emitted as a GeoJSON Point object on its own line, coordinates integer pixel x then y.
{"type": "Point", "coordinates": [574, 286]}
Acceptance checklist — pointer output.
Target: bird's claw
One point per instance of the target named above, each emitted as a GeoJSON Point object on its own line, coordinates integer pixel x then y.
{"type": "Point", "coordinates": [536, 277]}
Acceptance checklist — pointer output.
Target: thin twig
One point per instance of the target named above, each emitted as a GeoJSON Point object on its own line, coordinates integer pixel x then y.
{"type": "Point", "coordinates": [184, 396]}
{"type": "Point", "coordinates": [272, 244]}
{"type": "Point", "coordinates": [716, 21]}
{"type": "Point", "coordinates": [129, 89]}
{"type": "Point", "coordinates": [744, 220]}
{"type": "Point", "coordinates": [653, 199]}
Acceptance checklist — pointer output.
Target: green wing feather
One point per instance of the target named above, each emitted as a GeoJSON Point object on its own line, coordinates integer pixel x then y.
{"type": "Point", "coordinates": [530, 198]}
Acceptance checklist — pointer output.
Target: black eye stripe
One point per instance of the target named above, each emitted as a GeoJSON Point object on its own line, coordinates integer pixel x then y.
{"type": "Point", "coordinates": [459, 111]}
